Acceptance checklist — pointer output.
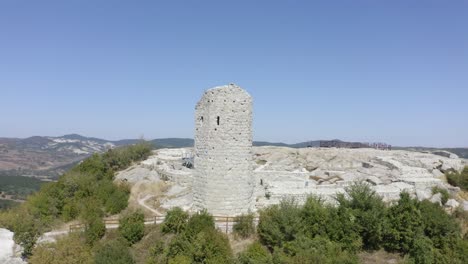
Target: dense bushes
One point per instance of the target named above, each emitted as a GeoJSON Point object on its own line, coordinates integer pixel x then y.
{"type": "Point", "coordinates": [71, 250]}
{"type": "Point", "coordinates": [175, 221]}
{"type": "Point", "coordinates": [244, 226]}
{"type": "Point", "coordinates": [94, 230]}
{"type": "Point", "coordinates": [132, 227]}
{"type": "Point", "coordinates": [361, 220]}
{"type": "Point", "coordinates": [194, 241]}
{"type": "Point", "coordinates": [289, 233]}
{"type": "Point", "coordinates": [114, 251]}
{"type": "Point", "coordinates": [314, 232]}
{"type": "Point", "coordinates": [369, 210]}
{"type": "Point", "coordinates": [313, 250]}
{"type": "Point", "coordinates": [459, 179]}
{"type": "Point", "coordinates": [279, 224]}
{"type": "Point", "coordinates": [19, 186]}
{"type": "Point", "coordinates": [87, 192]}
{"type": "Point", "coordinates": [404, 224]}
{"type": "Point", "coordinates": [256, 253]}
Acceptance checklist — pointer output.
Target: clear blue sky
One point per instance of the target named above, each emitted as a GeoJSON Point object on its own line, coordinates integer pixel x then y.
{"type": "Point", "coordinates": [391, 71]}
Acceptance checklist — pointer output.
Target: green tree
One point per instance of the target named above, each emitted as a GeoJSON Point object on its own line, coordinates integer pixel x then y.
{"type": "Point", "coordinates": [175, 221]}
{"type": "Point", "coordinates": [211, 246]}
{"type": "Point", "coordinates": [199, 222]}
{"type": "Point", "coordinates": [368, 210]}
{"type": "Point", "coordinates": [438, 226]}
{"type": "Point", "coordinates": [279, 224]}
{"type": "Point", "coordinates": [94, 230]}
{"type": "Point", "coordinates": [405, 223]}
{"type": "Point", "coordinates": [118, 200]}
{"type": "Point", "coordinates": [132, 227]}
{"type": "Point", "coordinates": [315, 216]}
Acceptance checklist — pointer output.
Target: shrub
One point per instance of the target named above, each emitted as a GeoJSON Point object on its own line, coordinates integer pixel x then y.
{"type": "Point", "coordinates": [211, 246]}
{"type": "Point", "coordinates": [279, 224]}
{"type": "Point", "coordinates": [208, 246]}
{"type": "Point", "coordinates": [421, 250]}
{"type": "Point", "coordinates": [132, 227]}
{"type": "Point", "coordinates": [94, 230]}
{"type": "Point", "coordinates": [113, 252]}
{"type": "Point", "coordinates": [156, 254]}
{"type": "Point", "coordinates": [175, 221]}
{"type": "Point", "coordinates": [180, 245]}
{"type": "Point", "coordinates": [255, 254]}
{"type": "Point", "coordinates": [200, 242]}
{"type": "Point", "coordinates": [150, 249]}
{"type": "Point", "coordinates": [315, 216]}
{"type": "Point", "coordinates": [458, 179]}
{"type": "Point", "coordinates": [444, 194]}
{"type": "Point", "coordinates": [27, 227]}
{"type": "Point", "coordinates": [316, 250]}
{"type": "Point", "coordinates": [405, 223]}
{"type": "Point", "coordinates": [244, 225]}
{"type": "Point", "coordinates": [342, 228]}
{"type": "Point", "coordinates": [199, 222]}
{"type": "Point", "coordinates": [439, 226]}
{"type": "Point", "coordinates": [70, 249]}
{"type": "Point", "coordinates": [118, 200]}
{"type": "Point", "coordinates": [369, 212]}
{"type": "Point", "coordinates": [121, 158]}
{"type": "Point", "coordinates": [180, 260]}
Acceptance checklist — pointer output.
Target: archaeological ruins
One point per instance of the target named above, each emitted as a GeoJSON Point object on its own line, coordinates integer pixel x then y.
{"type": "Point", "coordinates": [229, 177]}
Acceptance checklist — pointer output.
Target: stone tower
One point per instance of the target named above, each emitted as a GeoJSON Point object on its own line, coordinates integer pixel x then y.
{"type": "Point", "coordinates": [223, 180]}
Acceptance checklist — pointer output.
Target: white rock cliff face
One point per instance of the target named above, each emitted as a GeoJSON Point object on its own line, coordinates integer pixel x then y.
{"type": "Point", "coordinates": [280, 172]}
{"type": "Point", "coordinates": [286, 172]}
{"type": "Point", "coordinates": [223, 182]}
{"type": "Point", "coordinates": [9, 251]}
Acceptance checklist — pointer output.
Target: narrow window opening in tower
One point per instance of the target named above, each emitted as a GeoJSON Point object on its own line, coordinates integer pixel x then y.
{"type": "Point", "coordinates": [201, 119]}
{"type": "Point", "coordinates": [217, 120]}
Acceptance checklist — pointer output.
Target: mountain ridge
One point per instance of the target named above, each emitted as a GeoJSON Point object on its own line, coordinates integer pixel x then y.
{"type": "Point", "coordinates": [49, 157]}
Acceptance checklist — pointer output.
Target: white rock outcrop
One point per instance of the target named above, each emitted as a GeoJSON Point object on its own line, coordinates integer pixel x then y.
{"type": "Point", "coordinates": [452, 203]}
{"type": "Point", "coordinates": [436, 198]}
{"type": "Point", "coordinates": [9, 251]}
{"type": "Point", "coordinates": [280, 172]}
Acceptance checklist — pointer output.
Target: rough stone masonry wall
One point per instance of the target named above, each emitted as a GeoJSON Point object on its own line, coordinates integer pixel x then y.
{"type": "Point", "coordinates": [223, 181]}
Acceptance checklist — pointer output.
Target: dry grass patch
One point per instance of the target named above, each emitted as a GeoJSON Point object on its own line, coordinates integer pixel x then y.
{"type": "Point", "coordinates": [380, 257]}
{"type": "Point", "coordinates": [239, 245]}
{"type": "Point", "coordinates": [142, 189]}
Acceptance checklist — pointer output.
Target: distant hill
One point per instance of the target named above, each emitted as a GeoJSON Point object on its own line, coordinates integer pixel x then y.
{"type": "Point", "coordinates": [49, 157]}
{"type": "Point", "coordinates": [460, 152]}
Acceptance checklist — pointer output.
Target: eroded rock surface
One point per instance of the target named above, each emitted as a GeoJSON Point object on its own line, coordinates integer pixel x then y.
{"type": "Point", "coordinates": [281, 172]}
{"type": "Point", "coordinates": [326, 171]}
{"type": "Point", "coordinates": [9, 252]}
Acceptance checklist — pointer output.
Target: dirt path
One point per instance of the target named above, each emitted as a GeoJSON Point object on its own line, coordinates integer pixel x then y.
{"type": "Point", "coordinates": [141, 202]}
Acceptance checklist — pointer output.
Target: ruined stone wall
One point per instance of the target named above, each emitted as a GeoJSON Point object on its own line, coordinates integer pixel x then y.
{"type": "Point", "coordinates": [223, 181]}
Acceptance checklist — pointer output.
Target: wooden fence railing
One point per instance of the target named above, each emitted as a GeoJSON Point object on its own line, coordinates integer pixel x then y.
{"type": "Point", "coordinates": [223, 223]}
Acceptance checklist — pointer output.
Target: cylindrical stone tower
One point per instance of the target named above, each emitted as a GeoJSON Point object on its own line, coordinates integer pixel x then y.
{"type": "Point", "coordinates": [223, 180]}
